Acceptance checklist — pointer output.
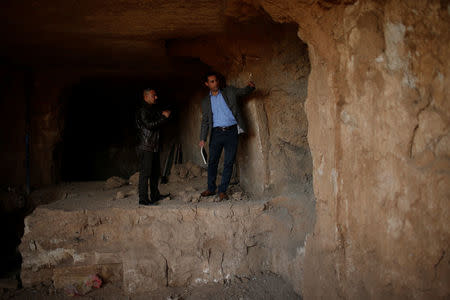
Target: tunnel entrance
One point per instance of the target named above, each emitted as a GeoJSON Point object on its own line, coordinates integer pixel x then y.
{"type": "Point", "coordinates": [98, 130]}
{"type": "Point", "coordinates": [99, 138]}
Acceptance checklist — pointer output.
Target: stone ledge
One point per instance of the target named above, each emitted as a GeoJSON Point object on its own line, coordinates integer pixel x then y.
{"type": "Point", "coordinates": [143, 248]}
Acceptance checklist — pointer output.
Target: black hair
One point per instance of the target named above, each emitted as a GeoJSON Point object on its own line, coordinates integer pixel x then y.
{"type": "Point", "coordinates": [210, 73]}
{"type": "Point", "coordinates": [146, 90]}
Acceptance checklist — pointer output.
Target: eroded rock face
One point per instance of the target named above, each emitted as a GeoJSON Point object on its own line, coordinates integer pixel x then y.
{"type": "Point", "coordinates": [377, 126]}
{"type": "Point", "coordinates": [378, 129]}
{"type": "Point", "coordinates": [142, 249]}
{"type": "Point", "coordinates": [44, 91]}
{"type": "Point", "coordinates": [273, 156]}
{"type": "Point", "coordinates": [114, 182]}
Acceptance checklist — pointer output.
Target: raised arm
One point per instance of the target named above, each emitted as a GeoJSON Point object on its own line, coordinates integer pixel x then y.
{"type": "Point", "coordinates": [241, 92]}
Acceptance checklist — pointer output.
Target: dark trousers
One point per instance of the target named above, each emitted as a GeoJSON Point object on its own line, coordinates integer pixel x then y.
{"type": "Point", "coordinates": [227, 140]}
{"type": "Point", "coordinates": [149, 169]}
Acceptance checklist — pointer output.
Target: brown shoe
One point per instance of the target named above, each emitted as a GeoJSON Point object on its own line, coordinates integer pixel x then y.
{"type": "Point", "coordinates": [207, 193]}
{"type": "Point", "coordinates": [223, 196]}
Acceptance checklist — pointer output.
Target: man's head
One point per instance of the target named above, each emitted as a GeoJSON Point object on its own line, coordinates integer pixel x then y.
{"type": "Point", "coordinates": [150, 96]}
{"type": "Point", "coordinates": [212, 81]}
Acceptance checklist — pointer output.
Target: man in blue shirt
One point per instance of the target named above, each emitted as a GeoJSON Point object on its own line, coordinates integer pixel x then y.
{"type": "Point", "coordinates": [221, 116]}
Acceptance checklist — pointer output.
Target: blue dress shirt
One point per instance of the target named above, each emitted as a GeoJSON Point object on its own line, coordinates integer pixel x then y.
{"type": "Point", "coordinates": [222, 115]}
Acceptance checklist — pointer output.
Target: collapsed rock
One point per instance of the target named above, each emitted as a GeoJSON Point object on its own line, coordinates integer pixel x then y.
{"type": "Point", "coordinates": [178, 173]}
{"type": "Point", "coordinates": [191, 189]}
{"type": "Point", "coordinates": [196, 171]}
{"type": "Point", "coordinates": [189, 164]}
{"type": "Point", "coordinates": [189, 170]}
{"type": "Point", "coordinates": [120, 195]}
{"type": "Point", "coordinates": [195, 198]}
{"type": "Point", "coordinates": [114, 182]}
{"type": "Point", "coordinates": [183, 171]}
{"type": "Point", "coordinates": [237, 196]}
{"type": "Point", "coordinates": [131, 192]}
{"type": "Point", "coordinates": [189, 195]}
{"type": "Point", "coordinates": [166, 198]}
{"type": "Point", "coordinates": [185, 197]}
{"type": "Point", "coordinates": [134, 179]}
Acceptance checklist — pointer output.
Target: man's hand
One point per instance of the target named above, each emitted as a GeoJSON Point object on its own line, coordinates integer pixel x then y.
{"type": "Point", "coordinates": [201, 144]}
{"type": "Point", "coordinates": [166, 113]}
{"type": "Point", "coordinates": [251, 83]}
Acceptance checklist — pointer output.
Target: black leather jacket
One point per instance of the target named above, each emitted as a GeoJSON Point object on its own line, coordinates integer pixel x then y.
{"type": "Point", "coordinates": [149, 120]}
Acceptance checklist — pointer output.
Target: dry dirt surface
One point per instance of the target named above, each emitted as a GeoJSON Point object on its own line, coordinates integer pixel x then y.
{"type": "Point", "coordinates": [95, 195]}
{"type": "Point", "coordinates": [262, 286]}
{"type": "Point", "coordinates": [266, 226]}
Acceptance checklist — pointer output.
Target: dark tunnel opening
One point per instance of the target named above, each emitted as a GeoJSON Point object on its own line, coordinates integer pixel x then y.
{"type": "Point", "coordinates": [99, 138]}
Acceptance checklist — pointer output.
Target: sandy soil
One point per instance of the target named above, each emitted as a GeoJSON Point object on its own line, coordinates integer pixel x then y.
{"type": "Point", "coordinates": [262, 286]}
{"type": "Point", "coordinates": [93, 195]}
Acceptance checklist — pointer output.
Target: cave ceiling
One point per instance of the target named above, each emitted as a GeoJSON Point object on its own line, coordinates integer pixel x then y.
{"type": "Point", "coordinates": [105, 34]}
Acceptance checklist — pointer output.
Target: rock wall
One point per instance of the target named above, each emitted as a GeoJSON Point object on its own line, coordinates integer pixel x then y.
{"type": "Point", "coordinates": [378, 118]}
{"type": "Point", "coordinates": [272, 159]}
{"type": "Point", "coordinates": [47, 124]}
{"type": "Point", "coordinates": [378, 131]}
{"type": "Point", "coordinates": [12, 115]}
{"type": "Point", "coordinates": [45, 89]}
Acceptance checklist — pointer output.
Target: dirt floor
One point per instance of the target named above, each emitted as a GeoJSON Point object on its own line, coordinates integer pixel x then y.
{"type": "Point", "coordinates": [262, 286]}
{"type": "Point", "coordinates": [98, 195]}
{"type": "Point", "coordinates": [72, 196]}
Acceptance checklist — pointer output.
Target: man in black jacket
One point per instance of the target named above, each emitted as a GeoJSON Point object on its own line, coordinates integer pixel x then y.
{"type": "Point", "coordinates": [149, 120]}
{"type": "Point", "coordinates": [222, 116]}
